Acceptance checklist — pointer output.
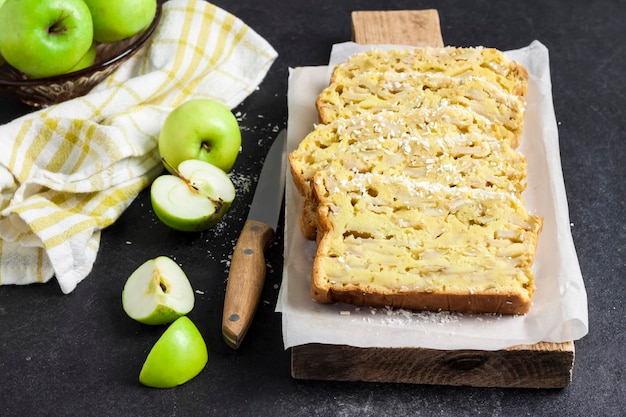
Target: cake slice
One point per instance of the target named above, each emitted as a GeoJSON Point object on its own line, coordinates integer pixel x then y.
{"type": "Point", "coordinates": [457, 150]}
{"type": "Point", "coordinates": [400, 242]}
{"type": "Point", "coordinates": [488, 64]}
{"type": "Point", "coordinates": [402, 92]}
{"type": "Point", "coordinates": [483, 79]}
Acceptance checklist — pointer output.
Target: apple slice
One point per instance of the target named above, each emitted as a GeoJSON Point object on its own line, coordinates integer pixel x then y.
{"type": "Point", "coordinates": [178, 356]}
{"type": "Point", "coordinates": [157, 292]}
{"type": "Point", "coordinates": [193, 199]}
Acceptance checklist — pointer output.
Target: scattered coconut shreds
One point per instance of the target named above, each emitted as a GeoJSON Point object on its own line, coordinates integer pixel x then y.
{"type": "Point", "coordinates": [240, 116]}
{"type": "Point", "coordinates": [199, 292]}
{"type": "Point", "coordinates": [400, 317]}
{"type": "Point", "coordinates": [219, 228]}
{"type": "Point", "coordinates": [242, 182]}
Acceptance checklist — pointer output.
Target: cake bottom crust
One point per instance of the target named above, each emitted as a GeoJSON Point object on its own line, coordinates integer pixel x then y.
{"type": "Point", "coordinates": [493, 303]}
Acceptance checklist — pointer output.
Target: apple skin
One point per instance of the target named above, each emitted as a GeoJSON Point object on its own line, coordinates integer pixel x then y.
{"type": "Point", "coordinates": [157, 292]}
{"type": "Point", "coordinates": [114, 20]}
{"type": "Point", "coordinates": [87, 60]}
{"type": "Point", "coordinates": [179, 355]}
{"type": "Point", "coordinates": [203, 129]}
{"type": "Point", "coordinates": [194, 199]}
{"type": "Point", "coordinates": [43, 38]}
{"type": "Point", "coordinates": [2, 61]}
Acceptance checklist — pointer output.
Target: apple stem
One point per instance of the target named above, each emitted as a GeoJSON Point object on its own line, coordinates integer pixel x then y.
{"type": "Point", "coordinates": [206, 147]}
{"type": "Point", "coordinates": [168, 165]}
{"type": "Point", "coordinates": [177, 173]}
{"type": "Point", "coordinates": [58, 26]}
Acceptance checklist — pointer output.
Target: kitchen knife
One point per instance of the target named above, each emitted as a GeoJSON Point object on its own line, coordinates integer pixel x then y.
{"type": "Point", "coordinates": [247, 267]}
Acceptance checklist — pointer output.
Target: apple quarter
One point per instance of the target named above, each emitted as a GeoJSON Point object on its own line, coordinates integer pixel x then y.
{"type": "Point", "coordinates": [158, 292]}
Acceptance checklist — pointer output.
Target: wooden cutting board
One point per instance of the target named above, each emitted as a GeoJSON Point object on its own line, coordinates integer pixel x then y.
{"type": "Point", "coordinates": [542, 365]}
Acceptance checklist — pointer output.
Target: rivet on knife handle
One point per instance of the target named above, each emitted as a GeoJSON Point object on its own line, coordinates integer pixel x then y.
{"type": "Point", "coordinates": [245, 280]}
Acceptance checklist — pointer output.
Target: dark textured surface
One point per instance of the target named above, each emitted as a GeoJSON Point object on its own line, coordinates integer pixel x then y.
{"type": "Point", "coordinates": [80, 355]}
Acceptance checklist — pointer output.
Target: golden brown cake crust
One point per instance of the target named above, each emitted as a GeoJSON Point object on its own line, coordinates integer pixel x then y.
{"type": "Point", "coordinates": [506, 304]}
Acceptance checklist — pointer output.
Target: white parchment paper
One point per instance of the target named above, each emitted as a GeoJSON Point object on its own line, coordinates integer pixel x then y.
{"type": "Point", "coordinates": [559, 311]}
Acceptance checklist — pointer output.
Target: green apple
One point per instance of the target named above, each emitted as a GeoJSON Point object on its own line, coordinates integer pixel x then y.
{"type": "Point", "coordinates": [2, 61]}
{"type": "Point", "coordinates": [158, 292]}
{"type": "Point", "coordinates": [87, 60]}
{"type": "Point", "coordinates": [203, 129]}
{"type": "Point", "coordinates": [195, 198]}
{"type": "Point", "coordinates": [179, 355]}
{"type": "Point", "coordinates": [42, 38]}
{"type": "Point", "coordinates": [114, 20]}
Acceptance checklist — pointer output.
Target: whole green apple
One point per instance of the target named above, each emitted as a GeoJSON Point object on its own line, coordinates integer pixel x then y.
{"type": "Point", "coordinates": [42, 38]}
{"type": "Point", "coordinates": [178, 356]}
{"type": "Point", "coordinates": [158, 292]}
{"type": "Point", "coordinates": [2, 61]}
{"type": "Point", "coordinates": [194, 199]}
{"type": "Point", "coordinates": [114, 20]}
{"type": "Point", "coordinates": [203, 129]}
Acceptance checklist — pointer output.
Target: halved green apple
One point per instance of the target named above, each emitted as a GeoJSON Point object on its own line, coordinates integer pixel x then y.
{"type": "Point", "coordinates": [178, 356]}
{"type": "Point", "coordinates": [194, 198]}
{"type": "Point", "coordinates": [157, 292]}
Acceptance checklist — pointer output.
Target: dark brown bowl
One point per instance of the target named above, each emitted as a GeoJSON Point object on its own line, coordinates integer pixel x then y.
{"type": "Point", "coordinates": [43, 92]}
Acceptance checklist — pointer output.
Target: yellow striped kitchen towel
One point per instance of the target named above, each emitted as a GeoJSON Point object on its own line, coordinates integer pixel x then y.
{"type": "Point", "coordinates": [70, 170]}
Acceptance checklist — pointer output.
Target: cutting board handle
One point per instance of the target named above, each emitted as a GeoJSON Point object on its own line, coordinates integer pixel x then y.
{"type": "Point", "coordinates": [399, 27]}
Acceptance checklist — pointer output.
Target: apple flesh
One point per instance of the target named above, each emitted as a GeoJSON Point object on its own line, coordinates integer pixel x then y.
{"type": "Point", "coordinates": [195, 198]}
{"type": "Point", "coordinates": [179, 355]}
{"type": "Point", "coordinates": [158, 292]}
{"type": "Point", "coordinates": [203, 129]}
{"type": "Point", "coordinates": [43, 38]}
{"type": "Point", "coordinates": [115, 20]}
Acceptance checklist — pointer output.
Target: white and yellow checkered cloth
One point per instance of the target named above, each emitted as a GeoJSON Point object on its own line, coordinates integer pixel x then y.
{"type": "Point", "coordinates": [70, 170]}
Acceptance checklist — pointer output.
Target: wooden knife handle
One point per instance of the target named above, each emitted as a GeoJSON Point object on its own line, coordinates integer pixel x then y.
{"type": "Point", "coordinates": [245, 281]}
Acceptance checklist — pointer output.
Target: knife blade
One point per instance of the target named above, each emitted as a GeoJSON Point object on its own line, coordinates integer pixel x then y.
{"type": "Point", "coordinates": [247, 268]}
